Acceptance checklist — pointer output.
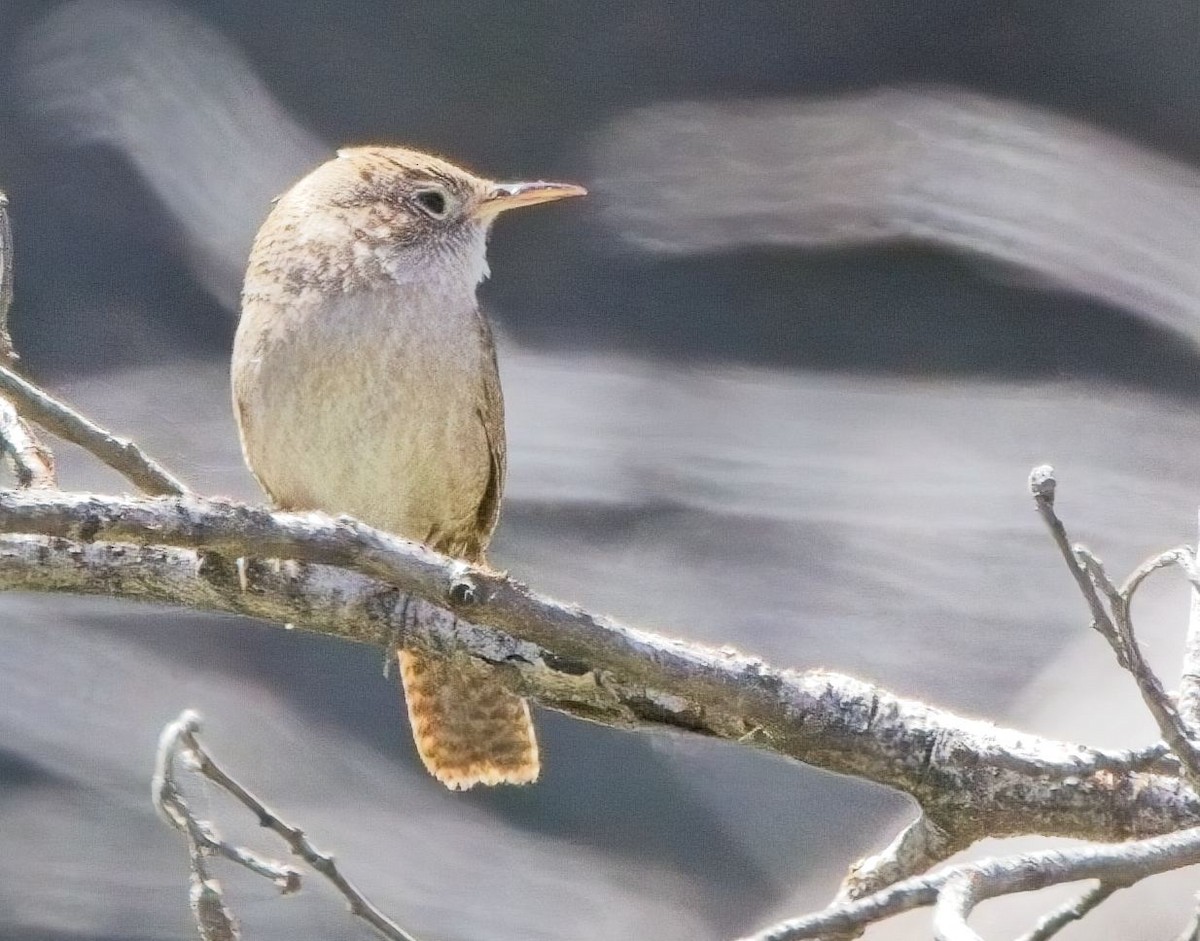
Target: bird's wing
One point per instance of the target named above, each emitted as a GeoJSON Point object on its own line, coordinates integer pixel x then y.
{"type": "Point", "coordinates": [491, 414]}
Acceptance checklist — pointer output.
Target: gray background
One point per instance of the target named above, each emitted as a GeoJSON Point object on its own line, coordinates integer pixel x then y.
{"type": "Point", "coordinates": [731, 418]}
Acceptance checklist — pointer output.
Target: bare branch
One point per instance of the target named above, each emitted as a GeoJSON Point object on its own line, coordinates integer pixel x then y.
{"type": "Point", "coordinates": [32, 462]}
{"type": "Point", "coordinates": [958, 890]}
{"type": "Point", "coordinates": [1117, 629]}
{"type": "Point", "coordinates": [178, 740]}
{"type": "Point", "coordinates": [121, 454]}
{"type": "Point", "coordinates": [1180, 555]}
{"type": "Point", "coordinates": [972, 778]}
{"type": "Point", "coordinates": [1099, 576]}
{"type": "Point", "coordinates": [213, 918]}
{"type": "Point", "coordinates": [7, 355]}
{"type": "Point", "coordinates": [916, 849]}
{"type": "Point", "coordinates": [1075, 910]}
{"type": "Point", "coordinates": [1189, 681]}
{"type": "Point", "coordinates": [1043, 484]}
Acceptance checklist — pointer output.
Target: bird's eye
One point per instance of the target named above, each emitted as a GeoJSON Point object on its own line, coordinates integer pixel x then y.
{"type": "Point", "coordinates": [433, 202]}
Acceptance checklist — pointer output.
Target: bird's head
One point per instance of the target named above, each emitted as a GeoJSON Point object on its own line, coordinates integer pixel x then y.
{"type": "Point", "coordinates": [388, 212]}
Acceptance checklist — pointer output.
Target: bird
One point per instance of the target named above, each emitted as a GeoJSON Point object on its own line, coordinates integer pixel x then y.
{"type": "Point", "coordinates": [365, 383]}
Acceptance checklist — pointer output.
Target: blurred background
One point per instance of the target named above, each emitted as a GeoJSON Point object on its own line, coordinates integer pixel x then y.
{"type": "Point", "coordinates": [849, 270]}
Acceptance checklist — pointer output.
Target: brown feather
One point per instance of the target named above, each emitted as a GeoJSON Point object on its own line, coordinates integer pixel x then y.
{"type": "Point", "coordinates": [467, 727]}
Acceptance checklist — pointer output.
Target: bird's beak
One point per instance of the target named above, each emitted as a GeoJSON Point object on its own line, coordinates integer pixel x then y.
{"type": "Point", "coordinates": [504, 196]}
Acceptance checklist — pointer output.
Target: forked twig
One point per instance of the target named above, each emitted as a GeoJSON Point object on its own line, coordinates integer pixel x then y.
{"type": "Point", "coordinates": [7, 355]}
{"type": "Point", "coordinates": [31, 461]}
{"type": "Point", "coordinates": [121, 454]}
{"type": "Point", "coordinates": [178, 741]}
{"type": "Point", "coordinates": [1066, 914]}
{"type": "Point", "coordinates": [1117, 627]}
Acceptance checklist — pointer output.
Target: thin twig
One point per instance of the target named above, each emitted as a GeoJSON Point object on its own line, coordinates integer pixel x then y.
{"type": "Point", "coordinates": [121, 454]}
{"type": "Point", "coordinates": [1189, 681]}
{"type": "Point", "coordinates": [213, 918]}
{"type": "Point", "coordinates": [181, 734]}
{"type": "Point", "coordinates": [177, 742]}
{"type": "Point", "coordinates": [1098, 574]}
{"type": "Point", "coordinates": [207, 901]}
{"type": "Point", "coordinates": [1077, 909]}
{"type": "Point", "coordinates": [1117, 629]}
{"type": "Point", "coordinates": [31, 461]}
{"type": "Point", "coordinates": [1042, 484]}
{"type": "Point", "coordinates": [7, 355]}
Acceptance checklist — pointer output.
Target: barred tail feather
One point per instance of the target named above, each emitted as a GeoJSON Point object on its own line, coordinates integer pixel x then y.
{"type": "Point", "coordinates": [467, 727]}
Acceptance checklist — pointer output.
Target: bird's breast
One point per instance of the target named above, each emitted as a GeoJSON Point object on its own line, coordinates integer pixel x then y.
{"type": "Point", "coordinates": [369, 404]}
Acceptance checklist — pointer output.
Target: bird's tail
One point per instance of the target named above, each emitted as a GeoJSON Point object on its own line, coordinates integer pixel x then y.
{"type": "Point", "coordinates": [467, 727]}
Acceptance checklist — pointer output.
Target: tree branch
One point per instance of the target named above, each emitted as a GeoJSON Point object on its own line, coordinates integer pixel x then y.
{"type": "Point", "coordinates": [32, 463]}
{"type": "Point", "coordinates": [7, 354]}
{"type": "Point", "coordinates": [972, 778]}
{"type": "Point", "coordinates": [957, 891]}
{"type": "Point", "coordinates": [1189, 681]}
{"type": "Point", "coordinates": [121, 454]}
{"type": "Point", "coordinates": [1117, 627]}
{"type": "Point", "coordinates": [1075, 910]}
{"type": "Point", "coordinates": [917, 848]}
{"type": "Point", "coordinates": [38, 406]}
{"type": "Point", "coordinates": [175, 744]}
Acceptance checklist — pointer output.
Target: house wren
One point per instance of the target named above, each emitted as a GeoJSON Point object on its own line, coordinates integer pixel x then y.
{"type": "Point", "coordinates": [365, 382]}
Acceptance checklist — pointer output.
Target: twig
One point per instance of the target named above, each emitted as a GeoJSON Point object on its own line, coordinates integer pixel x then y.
{"type": "Point", "coordinates": [1043, 484]}
{"type": "Point", "coordinates": [958, 890]}
{"type": "Point", "coordinates": [971, 777]}
{"type": "Point", "coordinates": [33, 403]}
{"type": "Point", "coordinates": [1117, 629]}
{"type": "Point", "coordinates": [177, 742]}
{"type": "Point", "coordinates": [1077, 909]}
{"type": "Point", "coordinates": [1180, 555]}
{"type": "Point", "coordinates": [179, 737]}
{"type": "Point", "coordinates": [31, 461]}
{"type": "Point", "coordinates": [1189, 681]}
{"type": "Point", "coordinates": [6, 282]}
{"type": "Point", "coordinates": [121, 454]}
{"type": "Point", "coordinates": [207, 901]}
